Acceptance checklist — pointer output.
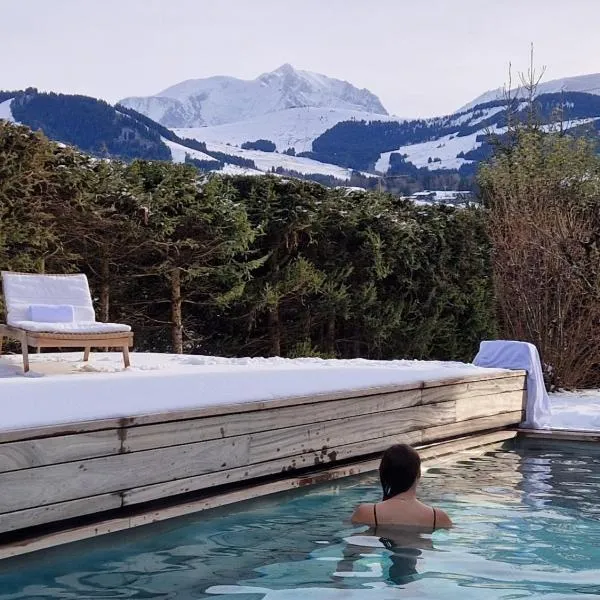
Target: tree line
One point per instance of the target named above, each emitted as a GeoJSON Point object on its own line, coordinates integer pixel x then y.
{"type": "Point", "coordinates": [247, 265]}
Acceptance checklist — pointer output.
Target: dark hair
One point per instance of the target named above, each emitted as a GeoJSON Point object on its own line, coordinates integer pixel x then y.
{"type": "Point", "coordinates": [399, 469]}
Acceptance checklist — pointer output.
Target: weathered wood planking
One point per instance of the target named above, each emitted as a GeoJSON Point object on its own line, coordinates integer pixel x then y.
{"type": "Point", "coordinates": [61, 511]}
{"type": "Point", "coordinates": [52, 450]}
{"type": "Point", "coordinates": [490, 405]}
{"type": "Point", "coordinates": [300, 461]}
{"type": "Point", "coordinates": [461, 428]}
{"type": "Point", "coordinates": [184, 432]}
{"type": "Point", "coordinates": [68, 481]}
{"type": "Point", "coordinates": [473, 389]}
{"type": "Point", "coordinates": [52, 474]}
{"type": "Point", "coordinates": [47, 451]}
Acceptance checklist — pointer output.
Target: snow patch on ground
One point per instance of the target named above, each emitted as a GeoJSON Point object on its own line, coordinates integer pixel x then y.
{"type": "Point", "coordinates": [576, 411]}
{"type": "Point", "coordinates": [264, 161]}
{"type": "Point", "coordinates": [62, 389]}
{"type": "Point", "coordinates": [445, 148]}
{"type": "Point", "coordinates": [487, 113]}
{"type": "Point", "coordinates": [5, 111]}
{"type": "Point", "coordinates": [229, 169]}
{"type": "Point", "coordinates": [178, 152]}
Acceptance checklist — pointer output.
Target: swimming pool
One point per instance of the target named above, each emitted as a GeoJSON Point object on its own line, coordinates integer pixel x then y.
{"type": "Point", "coordinates": [527, 526]}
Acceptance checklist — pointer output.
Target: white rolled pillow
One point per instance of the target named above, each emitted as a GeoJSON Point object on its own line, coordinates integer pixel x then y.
{"type": "Point", "coordinates": [52, 313]}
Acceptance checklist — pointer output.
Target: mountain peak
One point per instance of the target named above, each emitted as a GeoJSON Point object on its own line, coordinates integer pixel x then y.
{"type": "Point", "coordinates": [285, 69]}
{"type": "Point", "coordinates": [221, 100]}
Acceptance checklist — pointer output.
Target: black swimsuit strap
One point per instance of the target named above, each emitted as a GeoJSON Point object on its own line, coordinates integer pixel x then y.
{"type": "Point", "coordinates": [434, 518]}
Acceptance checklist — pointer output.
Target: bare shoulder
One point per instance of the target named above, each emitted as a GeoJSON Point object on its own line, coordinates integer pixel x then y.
{"type": "Point", "coordinates": [363, 514]}
{"type": "Point", "coordinates": [443, 521]}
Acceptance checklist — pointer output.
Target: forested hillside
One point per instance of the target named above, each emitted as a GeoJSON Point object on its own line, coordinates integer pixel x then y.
{"type": "Point", "coordinates": [102, 130]}
{"type": "Point", "coordinates": [92, 125]}
{"type": "Point", "coordinates": [359, 144]}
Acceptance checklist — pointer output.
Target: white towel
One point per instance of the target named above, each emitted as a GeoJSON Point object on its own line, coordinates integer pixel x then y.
{"type": "Point", "coordinates": [507, 354]}
{"type": "Point", "coordinates": [52, 313]}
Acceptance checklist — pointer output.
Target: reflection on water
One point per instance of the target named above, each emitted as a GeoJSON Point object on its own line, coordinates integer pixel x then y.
{"type": "Point", "coordinates": [527, 526]}
{"type": "Point", "coordinates": [399, 564]}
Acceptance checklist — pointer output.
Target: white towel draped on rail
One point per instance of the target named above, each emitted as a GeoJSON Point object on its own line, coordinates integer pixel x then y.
{"type": "Point", "coordinates": [507, 354]}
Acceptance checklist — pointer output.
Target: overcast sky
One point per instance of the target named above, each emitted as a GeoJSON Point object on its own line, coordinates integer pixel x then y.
{"type": "Point", "coordinates": [420, 57]}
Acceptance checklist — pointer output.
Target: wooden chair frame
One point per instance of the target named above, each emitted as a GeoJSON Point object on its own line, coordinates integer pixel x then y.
{"type": "Point", "coordinates": [34, 339]}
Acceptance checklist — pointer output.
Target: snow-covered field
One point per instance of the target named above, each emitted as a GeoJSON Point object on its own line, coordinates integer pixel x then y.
{"type": "Point", "coordinates": [62, 389]}
{"type": "Point", "coordinates": [265, 161]}
{"type": "Point", "coordinates": [576, 411]}
{"type": "Point", "coordinates": [445, 148]}
{"type": "Point", "coordinates": [292, 128]}
{"type": "Point", "coordinates": [178, 152]}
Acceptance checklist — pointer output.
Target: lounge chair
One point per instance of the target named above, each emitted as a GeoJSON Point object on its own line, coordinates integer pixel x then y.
{"type": "Point", "coordinates": [56, 311]}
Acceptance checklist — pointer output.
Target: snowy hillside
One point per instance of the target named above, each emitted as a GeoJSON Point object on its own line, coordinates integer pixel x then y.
{"type": "Point", "coordinates": [219, 100]}
{"type": "Point", "coordinates": [265, 161]}
{"type": "Point", "coordinates": [437, 154]}
{"type": "Point", "coordinates": [292, 128]}
{"type": "Point", "coordinates": [445, 152]}
{"type": "Point", "coordinates": [589, 84]}
{"type": "Point", "coordinates": [179, 152]}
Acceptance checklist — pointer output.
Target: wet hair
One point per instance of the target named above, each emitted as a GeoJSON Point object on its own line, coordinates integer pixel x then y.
{"type": "Point", "coordinates": [399, 469]}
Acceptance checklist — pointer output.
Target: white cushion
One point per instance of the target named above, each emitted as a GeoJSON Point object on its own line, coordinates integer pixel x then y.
{"type": "Point", "coordinates": [49, 313]}
{"type": "Point", "coordinates": [75, 327]}
{"type": "Point", "coordinates": [22, 290]}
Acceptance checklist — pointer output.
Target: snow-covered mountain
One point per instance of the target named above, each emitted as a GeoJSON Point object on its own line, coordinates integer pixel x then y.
{"type": "Point", "coordinates": [220, 100]}
{"type": "Point", "coordinates": [338, 132]}
{"type": "Point", "coordinates": [589, 84]}
{"type": "Point", "coordinates": [61, 117]}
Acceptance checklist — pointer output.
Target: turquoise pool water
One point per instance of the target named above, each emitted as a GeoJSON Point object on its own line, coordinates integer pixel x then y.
{"type": "Point", "coordinates": [527, 526]}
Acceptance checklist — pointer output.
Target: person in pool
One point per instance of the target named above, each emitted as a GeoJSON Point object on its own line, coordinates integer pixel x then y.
{"type": "Point", "coordinates": [399, 472]}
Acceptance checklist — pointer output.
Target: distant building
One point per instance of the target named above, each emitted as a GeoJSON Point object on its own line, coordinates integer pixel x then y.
{"type": "Point", "coordinates": [456, 197]}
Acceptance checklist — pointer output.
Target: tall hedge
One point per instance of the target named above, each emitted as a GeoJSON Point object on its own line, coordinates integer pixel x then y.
{"type": "Point", "coordinates": [247, 265]}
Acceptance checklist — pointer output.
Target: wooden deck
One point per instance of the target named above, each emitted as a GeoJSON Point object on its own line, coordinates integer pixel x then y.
{"type": "Point", "coordinates": [51, 474]}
